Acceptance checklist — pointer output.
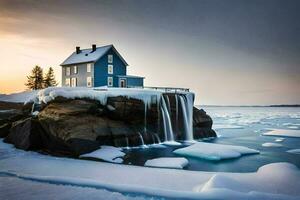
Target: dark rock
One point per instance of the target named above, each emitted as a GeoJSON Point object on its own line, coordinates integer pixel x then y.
{"type": "Point", "coordinates": [202, 124]}
{"type": "Point", "coordinates": [203, 133]}
{"type": "Point", "coordinates": [82, 146]}
{"type": "Point", "coordinates": [201, 119]}
{"type": "Point", "coordinates": [25, 134]}
{"type": "Point", "coordinates": [84, 125]}
{"type": "Point", "coordinates": [4, 129]}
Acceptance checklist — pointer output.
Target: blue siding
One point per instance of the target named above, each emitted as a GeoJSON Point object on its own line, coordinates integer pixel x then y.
{"type": "Point", "coordinates": [101, 70]}
{"type": "Point", "coordinates": [135, 82]}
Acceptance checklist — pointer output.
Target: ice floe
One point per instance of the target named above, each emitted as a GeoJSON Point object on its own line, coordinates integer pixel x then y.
{"type": "Point", "coordinates": [283, 133]}
{"type": "Point", "coordinates": [273, 181]}
{"type": "Point", "coordinates": [225, 126]}
{"type": "Point", "coordinates": [295, 151]}
{"type": "Point", "coordinates": [107, 153]}
{"type": "Point", "coordinates": [267, 183]}
{"type": "Point", "coordinates": [173, 162]}
{"type": "Point", "coordinates": [271, 144]}
{"type": "Point", "coordinates": [213, 151]}
{"type": "Point", "coordinates": [279, 139]}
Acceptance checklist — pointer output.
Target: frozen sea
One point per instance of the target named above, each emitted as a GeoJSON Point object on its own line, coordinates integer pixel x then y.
{"type": "Point", "coordinates": [29, 175]}
{"type": "Point", "coordinates": [242, 126]}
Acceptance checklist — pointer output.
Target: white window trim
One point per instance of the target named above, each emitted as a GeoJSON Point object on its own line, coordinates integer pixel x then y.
{"type": "Point", "coordinates": [122, 79]}
{"type": "Point", "coordinates": [68, 82]}
{"type": "Point", "coordinates": [75, 68]}
{"type": "Point", "coordinates": [89, 67]}
{"type": "Point", "coordinates": [73, 82]}
{"type": "Point", "coordinates": [110, 58]}
{"type": "Point", "coordinates": [108, 81]}
{"type": "Point", "coordinates": [68, 71]}
{"type": "Point", "coordinates": [89, 79]}
{"type": "Point", "coordinates": [110, 71]}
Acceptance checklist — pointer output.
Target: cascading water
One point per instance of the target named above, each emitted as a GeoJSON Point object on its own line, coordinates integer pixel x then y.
{"type": "Point", "coordinates": [141, 138]}
{"type": "Point", "coordinates": [186, 102]}
{"type": "Point", "coordinates": [168, 130]}
{"type": "Point", "coordinates": [145, 118]}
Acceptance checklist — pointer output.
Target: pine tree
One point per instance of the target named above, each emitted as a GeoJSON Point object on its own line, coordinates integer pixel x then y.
{"type": "Point", "coordinates": [35, 79]}
{"type": "Point", "coordinates": [49, 80]}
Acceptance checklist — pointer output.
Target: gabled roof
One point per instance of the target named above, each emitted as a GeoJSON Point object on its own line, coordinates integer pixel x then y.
{"type": "Point", "coordinates": [86, 55]}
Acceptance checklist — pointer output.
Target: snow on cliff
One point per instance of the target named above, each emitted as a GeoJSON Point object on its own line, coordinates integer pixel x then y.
{"type": "Point", "coordinates": [98, 93]}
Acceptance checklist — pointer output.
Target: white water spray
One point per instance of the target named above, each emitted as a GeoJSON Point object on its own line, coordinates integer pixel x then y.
{"type": "Point", "coordinates": [169, 135]}
{"type": "Point", "coordinates": [187, 111]}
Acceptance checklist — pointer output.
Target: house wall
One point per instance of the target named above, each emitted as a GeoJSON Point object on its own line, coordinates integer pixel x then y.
{"type": "Point", "coordinates": [81, 75]}
{"type": "Point", "coordinates": [135, 82]}
{"type": "Point", "coordinates": [101, 70]}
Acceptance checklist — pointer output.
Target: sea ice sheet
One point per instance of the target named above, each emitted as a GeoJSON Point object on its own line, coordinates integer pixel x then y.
{"type": "Point", "coordinates": [107, 153]}
{"type": "Point", "coordinates": [176, 163]}
{"type": "Point", "coordinates": [271, 144]}
{"type": "Point", "coordinates": [283, 133]}
{"type": "Point", "coordinates": [213, 151]}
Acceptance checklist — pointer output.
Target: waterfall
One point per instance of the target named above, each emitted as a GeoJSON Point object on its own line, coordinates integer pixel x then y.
{"type": "Point", "coordinates": [187, 111]}
{"type": "Point", "coordinates": [176, 101]}
{"type": "Point", "coordinates": [169, 135]}
{"type": "Point", "coordinates": [142, 140]}
{"type": "Point", "coordinates": [168, 104]}
{"type": "Point", "coordinates": [157, 138]}
{"type": "Point", "coordinates": [127, 143]}
{"type": "Point", "coordinates": [145, 118]}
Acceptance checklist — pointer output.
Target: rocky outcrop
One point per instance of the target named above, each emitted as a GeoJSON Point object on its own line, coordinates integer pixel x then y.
{"type": "Point", "coordinates": [202, 124]}
{"type": "Point", "coordinates": [25, 134]}
{"type": "Point", "coordinates": [74, 127]}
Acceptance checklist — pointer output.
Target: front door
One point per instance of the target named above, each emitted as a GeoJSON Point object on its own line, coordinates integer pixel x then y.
{"type": "Point", "coordinates": [122, 82]}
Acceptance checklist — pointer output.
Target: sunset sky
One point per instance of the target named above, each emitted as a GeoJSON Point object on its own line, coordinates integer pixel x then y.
{"type": "Point", "coordinates": [231, 52]}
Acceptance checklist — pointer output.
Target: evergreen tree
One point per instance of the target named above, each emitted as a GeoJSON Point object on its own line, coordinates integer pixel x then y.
{"type": "Point", "coordinates": [49, 80]}
{"type": "Point", "coordinates": [35, 79]}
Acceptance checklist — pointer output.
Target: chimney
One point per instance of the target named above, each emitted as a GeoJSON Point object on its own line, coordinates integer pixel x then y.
{"type": "Point", "coordinates": [78, 50]}
{"type": "Point", "coordinates": [93, 47]}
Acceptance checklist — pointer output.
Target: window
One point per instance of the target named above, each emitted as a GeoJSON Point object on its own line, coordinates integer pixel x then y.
{"type": "Point", "coordinates": [68, 71]}
{"type": "Point", "coordinates": [110, 58]}
{"type": "Point", "coordinates": [75, 69]}
{"type": "Point", "coordinates": [73, 82]}
{"type": "Point", "coordinates": [89, 67]}
{"type": "Point", "coordinates": [110, 69]}
{"type": "Point", "coordinates": [89, 81]}
{"type": "Point", "coordinates": [67, 82]}
{"type": "Point", "coordinates": [109, 81]}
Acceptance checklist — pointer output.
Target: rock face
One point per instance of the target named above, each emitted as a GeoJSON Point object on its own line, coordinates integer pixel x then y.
{"type": "Point", "coordinates": [25, 134]}
{"type": "Point", "coordinates": [202, 124]}
{"type": "Point", "coordinates": [74, 127]}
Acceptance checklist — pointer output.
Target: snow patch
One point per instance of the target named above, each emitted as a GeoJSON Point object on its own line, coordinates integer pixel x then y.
{"type": "Point", "coordinates": [225, 126]}
{"type": "Point", "coordinates": [20, 97]}
{"type": "Point", "coordinates": [276, 178]}
{"type": "Point", "coordinates": [279, 139]}
{"type": "Point", "coordinates": [283, 133]}
{"type": "Point", "coordinates": [295, 151]}
{"type": "Point", "coordinates": [176, 163]}
{"type": "Point", "coordinates": [271, 144]}
{"type": "Point", "coordinates": [212, 151]}
{"type": "Point", "coordinates": [273, 181]}
{"type": "Point", "coordinates": [107, 153]}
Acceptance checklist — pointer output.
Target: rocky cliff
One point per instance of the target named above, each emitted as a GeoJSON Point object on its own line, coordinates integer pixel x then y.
{"type": "Point", "coordinates": [76, 126]}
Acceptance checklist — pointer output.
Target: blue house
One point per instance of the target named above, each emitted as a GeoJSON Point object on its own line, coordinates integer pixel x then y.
{"type": "Point", "coordinates": [97, 66]}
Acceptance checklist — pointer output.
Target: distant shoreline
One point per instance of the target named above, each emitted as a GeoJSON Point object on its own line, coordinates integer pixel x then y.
{"type": "Point", "coordinates": [279, 105]}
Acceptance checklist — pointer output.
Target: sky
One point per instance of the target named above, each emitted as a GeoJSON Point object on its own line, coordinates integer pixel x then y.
{"type": "Point", "coordinates": [233, 52]}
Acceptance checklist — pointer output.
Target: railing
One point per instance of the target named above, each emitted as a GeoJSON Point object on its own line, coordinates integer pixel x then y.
{"type": "Point", "coordinates": [166, 89]}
